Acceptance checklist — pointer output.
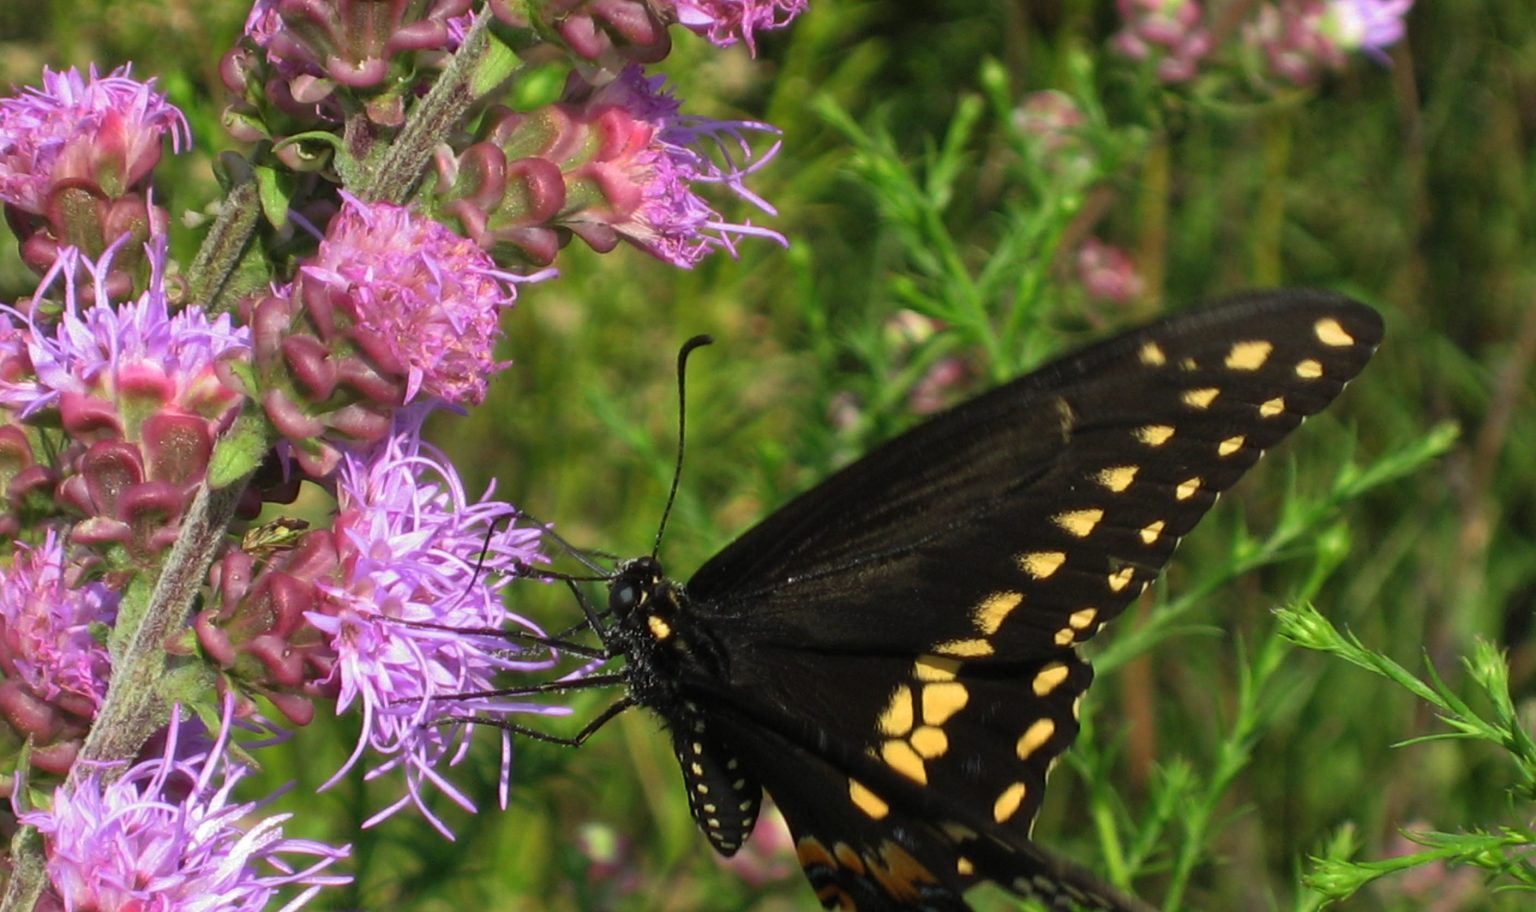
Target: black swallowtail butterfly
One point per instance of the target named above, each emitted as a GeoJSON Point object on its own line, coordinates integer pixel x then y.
{"type": "Point", "coordinates": [892, 656]}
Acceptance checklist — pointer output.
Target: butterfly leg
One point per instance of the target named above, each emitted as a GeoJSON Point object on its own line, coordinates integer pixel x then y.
{"type": "Point", "coordinates": [602, 718]}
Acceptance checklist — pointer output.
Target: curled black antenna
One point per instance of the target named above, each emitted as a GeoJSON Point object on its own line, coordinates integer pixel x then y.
{"type": "Point", "coordinates": [682, 424]}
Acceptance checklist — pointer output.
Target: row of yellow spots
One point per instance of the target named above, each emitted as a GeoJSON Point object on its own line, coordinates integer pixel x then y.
{"type": "Point", "coordinates": [1252, 355]}
{"type": "Point", "coordinates": [1011, 798]}
{"type": "Point", "coordinates": [1043, 565]}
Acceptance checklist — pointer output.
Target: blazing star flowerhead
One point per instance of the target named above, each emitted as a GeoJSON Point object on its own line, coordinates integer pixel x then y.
{"type": "Point", "coordinates": [75, 158]}
{"type": "Point", "coordinates": [414, 612]}
{"type": "Point", "coordinates": [392, 306]}
{"type": "Point", "coordinates": [167, 835]}
{"type": "Point", "coordinates": [55, 669]}
{"type": "Point", "coordinates": [104, 133]}
{"type": "Point", "coordinates": [423, 301]}
{"type": "Point", "coordinates": [725, 22]}
{"type": "Point", "coordinates": [137, 391]}
{"type": "Point", "coordinates": [645, 191]}
{"type": "Point", "coordinates": [610, 163]}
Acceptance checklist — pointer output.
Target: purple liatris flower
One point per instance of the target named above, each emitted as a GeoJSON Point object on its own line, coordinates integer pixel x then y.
{"type": "Point", "coordinates": [645, 192]}
{"type": "Point", "coordinates": [75, 160]}
{"type": "Point", "coordinates": [424, 303]}
{"type": "Point", "coordinates": [168, 835]}
{"type": "Point", "coordinates": [105, 132]}
{"type": "Point", "coordinates": [107, 361]}
{"type": "Point", "coordinates": [353, 42]}
{"type": "Point", "coordinates": [724, 22]}
{"type": "Point", "coordinates": [392, 305]}
{"type": "Point", "coordinates": [413, 614]}
{"type": "Point", "coordinates": [54, 667]}
{"type": "Point", "coordinates": [137, 390]}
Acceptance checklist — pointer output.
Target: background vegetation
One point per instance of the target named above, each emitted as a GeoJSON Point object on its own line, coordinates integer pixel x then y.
{"type": "Point", "coordinates": [1220, 757]}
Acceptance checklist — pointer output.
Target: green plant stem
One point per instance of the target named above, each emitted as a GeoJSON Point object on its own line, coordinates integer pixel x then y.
{"type": "Point", "coordinates": [394, 174]}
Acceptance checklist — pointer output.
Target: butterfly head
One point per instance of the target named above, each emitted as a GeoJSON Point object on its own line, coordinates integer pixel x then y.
{"type": "Point", "coordinates": [635, 586]}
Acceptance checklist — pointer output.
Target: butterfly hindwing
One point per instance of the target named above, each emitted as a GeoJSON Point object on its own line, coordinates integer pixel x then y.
{"type": "Point", "coordinates": [873, 840]}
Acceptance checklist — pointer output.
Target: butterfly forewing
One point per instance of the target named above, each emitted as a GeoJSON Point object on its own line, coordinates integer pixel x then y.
{"type": "Point", "coordinates": [892, 655]}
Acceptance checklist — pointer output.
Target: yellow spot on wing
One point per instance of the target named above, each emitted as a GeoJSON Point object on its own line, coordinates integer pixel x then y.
{"type": "Point", "coordinates": [930, 742]}
{"type": "Point", "coordinates": [1035, 737]}
{"type": "Point", "coordinates": [1078, 522]}
{"type": "Point", "coordinates": [1150, 534]}
{"type": "Point", "coordinates": [865, 800]}
{"type": "Point", "coordinates": [1050, 678]}
{"type": "Point", "coordinates": [994, 609]}
{"type": "Point", "coordinates": [940, 701]}
{"type": "Point", "coordinates": [1309, 369]}
{"type": "Point", "coordinates": [963, 866]}
{"type": "Point", "coordinates": [900, 756]}
{"type": "Point", "coordinates": [1065, 636]}
{"type": "Point", "coordinates": [935, 668]}
{"type": "Point", "coordinates": [1118, 478]}
{"type": "Point", "coordinates": [1041, 564]}
{"type": "Point", "coordinates": [1247, 356]}
{"type": "Point", "coordinates": [1201, 398]}
{"type": "Point", "coordinates": [1152, 355]}
{"type": "Point", "coordinates": [1187, 490]}
{"type": "Point", "coordinates": [1154, 435]}
{"type": "Point", "coordinates": [897, 719]}
{"type": "Point", "coordinates": [1082, 618]}
{"type": "Point", "coordinates": [1231, 445]}
{"type": "Point", "coordinates": [973, 648]}
{"type": "Point", "coordinates": [1329, 332]}
{"type": "Point", "coordinates": [1121, 578]}
{"type": "Point", "coordinates": [1008, 802]}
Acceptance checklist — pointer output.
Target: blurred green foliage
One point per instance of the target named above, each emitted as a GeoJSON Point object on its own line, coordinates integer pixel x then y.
{"type": "Point", "coordinates": [1217, 758]}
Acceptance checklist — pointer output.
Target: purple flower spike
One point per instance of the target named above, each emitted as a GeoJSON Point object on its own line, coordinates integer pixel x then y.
{"type": "Point", "coordinates": [724, 22]}
{"type": "Point", "coordinates": [53, 671]}
{"type": "Point", "coordinates": [650, 184]}
{"type": "Point", "coordinates": [119, 353]}
{"type": "Point", "coordinates": [166, 835]}
{"type": "Point", "coordinates": [407, 617]}
{"type": "Point", "coordinates": [425, 301]}
{"type": "Point", "coordinates": [105, 132]}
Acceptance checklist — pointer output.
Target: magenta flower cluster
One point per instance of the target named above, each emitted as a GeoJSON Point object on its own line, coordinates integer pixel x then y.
{"type": "Point", "coordinates": [302, 349]}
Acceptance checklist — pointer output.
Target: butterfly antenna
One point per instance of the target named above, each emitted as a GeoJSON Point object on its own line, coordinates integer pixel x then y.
{"type": "Point", "coordinates": [682, 425]}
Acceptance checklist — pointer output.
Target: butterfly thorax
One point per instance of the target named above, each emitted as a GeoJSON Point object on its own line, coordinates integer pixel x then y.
{"type": "Point", "coordinates": [670, 658]}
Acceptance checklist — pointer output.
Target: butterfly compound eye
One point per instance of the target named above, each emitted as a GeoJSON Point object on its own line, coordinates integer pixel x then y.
{"type": "Point", "coordinates": [623, 596]}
